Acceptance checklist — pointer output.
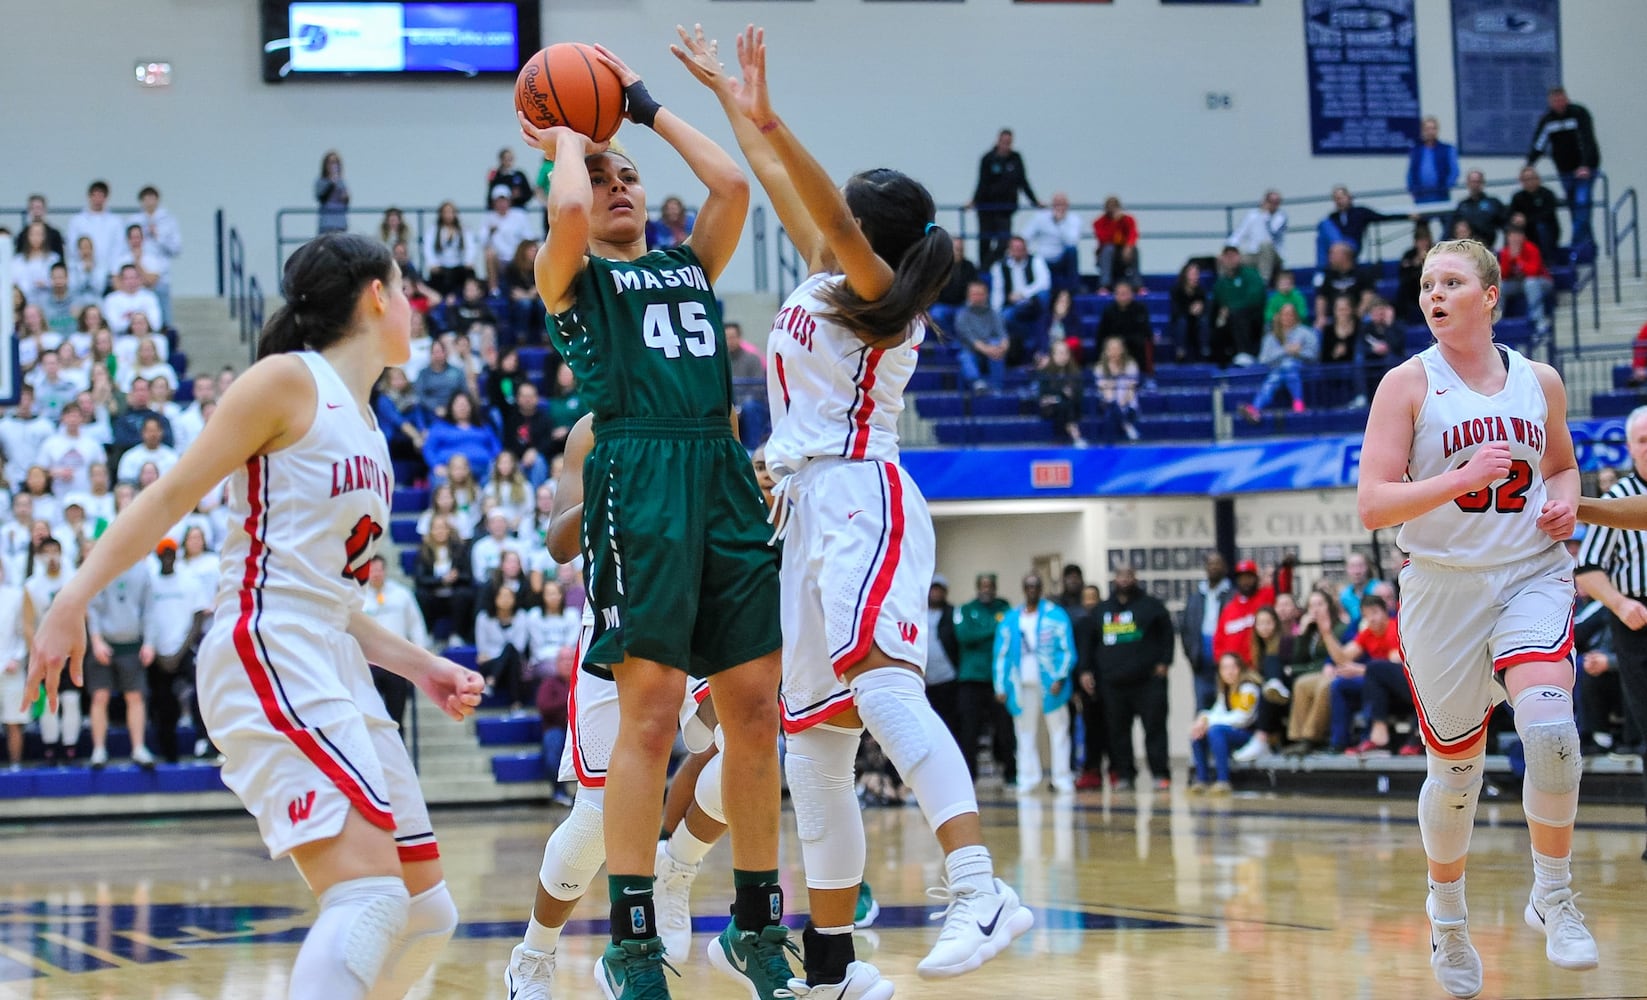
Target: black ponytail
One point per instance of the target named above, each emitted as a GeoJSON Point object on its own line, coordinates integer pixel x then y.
{"type": "Point", "coordinates": [895, 212]}
{"type": "Point", "coordinates": [322, 284]}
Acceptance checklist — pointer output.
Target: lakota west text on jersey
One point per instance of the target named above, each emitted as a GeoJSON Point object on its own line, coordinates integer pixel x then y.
{"type": "Point", "coordinates": [1492, 427]}
{"type": "Point", "coordinates": [362, 473]}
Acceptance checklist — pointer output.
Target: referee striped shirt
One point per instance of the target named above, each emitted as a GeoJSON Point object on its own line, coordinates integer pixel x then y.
{"type": "Point", "coordinates": [1622, 555]}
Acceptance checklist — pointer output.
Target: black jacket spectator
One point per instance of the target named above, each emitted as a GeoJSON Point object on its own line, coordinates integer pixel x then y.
{"type": "Point", "coordinates": [1485, 216]}
{"type": "Point", "coordinates": [1569, 136]}
{"type": "Point", "coordinates": [128, 428]}
{"type": "Point", "coordinates": [533, 430]}
{"type": "Point", "coordinates": [1538, 207]}
{"type": "Point", "coordinates": [1135, 635]}
{"type": "Point", "coordinates": [1000, 177]}
{"type": "Point", "coordinates": [964, 273]}
{"type": "Point", "coordinates": [1131, 323]}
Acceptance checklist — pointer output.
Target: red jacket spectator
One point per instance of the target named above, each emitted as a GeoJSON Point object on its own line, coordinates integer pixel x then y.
{"type": "Point", "coordinates": [1640, 356]}
{"type": "Point", "coordinates": [1235, 622]}
{"type": "Point", "coordinates": [1118, 231]}
{"type": "Point", "coordinates": [1527, 264]}
{"type": "Point", "coordinates": [1385, 645]}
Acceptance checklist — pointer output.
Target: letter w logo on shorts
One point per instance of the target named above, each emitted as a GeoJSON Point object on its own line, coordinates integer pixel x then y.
{"type": "Point", "coordinates": [299, 808]}
{"type": "Point", "coordinates": [909, 632]}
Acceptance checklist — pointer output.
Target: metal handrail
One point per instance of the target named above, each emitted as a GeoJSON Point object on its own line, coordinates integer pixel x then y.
{"type": "Point", "coordinates": [1618, 232]}
{"type": "Point", "coordinates": [789, 264]}
{"type": "Point", "coordinates": [1585, 276]}
{"type": "Point", "coordinates": [757, 225]}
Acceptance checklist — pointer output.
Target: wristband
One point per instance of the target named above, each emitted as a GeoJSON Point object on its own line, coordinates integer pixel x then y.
{"type": "Point", "coordinates": [643, 110]}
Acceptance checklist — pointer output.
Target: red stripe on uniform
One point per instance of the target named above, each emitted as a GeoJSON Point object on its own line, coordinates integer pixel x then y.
{"type": "Point", "coordinates": [883, 577]}
{"type": "Point", "coordinates": [860, 443]}
{"type": "Point", "coordinates": [783, 379]}
{"type": "Point", "coordinates": [824, 714]}
{"type": "Point", "coordinates": [258, 672]}
{"type": "Point", "coordinates": [1456, 748]}
{"type": "Point", "coordinates": [421, 852]}
{"type": "Point", "coordinates": [585, 779]}
{"type": "Point", "coordinates": [1561, 652]}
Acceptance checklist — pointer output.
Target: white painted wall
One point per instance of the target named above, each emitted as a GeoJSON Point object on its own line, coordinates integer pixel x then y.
{"type": "Point", "coordinates": [1103, 98]}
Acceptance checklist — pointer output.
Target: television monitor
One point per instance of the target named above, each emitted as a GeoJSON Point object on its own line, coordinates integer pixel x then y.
{"type": "Point", "coordinates": [451, 39]}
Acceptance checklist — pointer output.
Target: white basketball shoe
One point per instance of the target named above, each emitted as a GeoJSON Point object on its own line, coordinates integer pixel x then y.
{"type": "Point", "coordinates": [672, 902]}
{"type": "Point", "coordinates": [977, 927]}
{"type": "Point", "coordinates": [530, 975]}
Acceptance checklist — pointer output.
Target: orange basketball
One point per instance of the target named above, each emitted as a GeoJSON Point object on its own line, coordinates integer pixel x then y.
{"type": "Point", "coordinates": [567, 84]}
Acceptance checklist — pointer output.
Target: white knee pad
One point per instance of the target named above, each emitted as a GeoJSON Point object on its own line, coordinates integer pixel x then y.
{"type": "Point", "coordinates": [707, 792]}
{"type": "Point", "coordinates": [575, 851]}
{"type": "Point", "coordinates": [431, 919]}
{"type": "Point", "coordinates": [346, 949]}
{"type": "Point", "coordinates": [892, 702]}
{"type": "Point", "coordinates": [1549, 738]}
{"type": "Point", "coordinates": [819, 765]}
{"type": "Point", "coordinates": [1446, 806]}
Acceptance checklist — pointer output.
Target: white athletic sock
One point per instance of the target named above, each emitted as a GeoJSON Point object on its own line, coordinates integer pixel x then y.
{"type": "Point", "coordinates": [1447, 900]}
{"type": "Point", "coordinates": [834, 930]}
{"type": "Point", "coordinates": [971, 866]}
{"type": "Point", "coordinates": [686, 848]}
{"type": "Point", "coordinates": [541, 938]}
{"type": "Point", "coordinates": [1550, 874]}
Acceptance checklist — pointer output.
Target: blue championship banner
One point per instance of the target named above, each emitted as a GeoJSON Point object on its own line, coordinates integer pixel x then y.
{"type": "Point", "coordinates": [1225, 469]}
{"type": "Point", "coordinates": [1506, 57]}
{"type": "Point", "coordinates": [1363, 76]}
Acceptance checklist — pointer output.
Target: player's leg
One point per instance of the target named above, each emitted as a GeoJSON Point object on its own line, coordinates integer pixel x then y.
{"type": "Point", "coordinates": [753, 944]}
{"type": "Point", "coordinates": [1533, 646]}
{"type": "Point", "coordinates": [364, 907]}
{"type": "Point", "coordinates": [571, 859]}
{"type": "Point", "coordinates": [984, 914]}
{"type": "Point", "coordinates": [1446, 631]}
{"type": "Point", "coordinates": [682, 786]}
{"type": "Point", "coordinates": [1540, 694]}
{"type": "Point", "coordinates": [819, 763]}
{"type": "Point", "coordinates": [649, 696]}
{"type": "Point", "coordinates": [431, 915]}
{"type": "Point", "coordinates": [697, 783]}
{"type": "Point", "coordinates": [101, 686]}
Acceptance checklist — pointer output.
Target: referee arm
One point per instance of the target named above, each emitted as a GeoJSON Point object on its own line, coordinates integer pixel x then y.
{"type": "Point", "coordinates": [1623, 513]}
{"type": "Point", "coordinates": [1606, 552]}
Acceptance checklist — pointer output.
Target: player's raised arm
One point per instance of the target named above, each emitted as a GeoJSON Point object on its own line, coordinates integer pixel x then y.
{"type": "Point", "coordinates": [719, 225]}
{"type": "Point", "coordinates": [701, 57]}
{"type": "Point", "coordinates": [571, 199]}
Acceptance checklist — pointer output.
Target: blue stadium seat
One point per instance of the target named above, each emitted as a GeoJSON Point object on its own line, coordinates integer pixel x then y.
{"type": "Point", "coordinates": [505, 730]}
{"type": "Point", "coordinates": [180, 364]}
{"type": "Point", "coordinates": [941, 405]}
{"type": "Point", "coordinates": [185, 392]}
{"type": "Point", "coordinates": [16, 784]}
{"type": "Point", "coordinates": [954, 433]}
{"type": "Point", "coordinates": [62, 782]}
{"type": "Point", "coordinates": [517, 768]}
{"type": "Point", "coordinates": [404, 531]}
{"type": "Point", "coordinates": [1617, 403]}
{"type": "Point", "coordinates": [122, 779]}
{"type": "Point", "coordinates": [408, 561]}
{"type": "Point", "coordinates": [190, 777]}
{"type": "Point", "coordinates": [406, 471]}
{"type": "Point", "coordinates": [463, 656]}
{"type": "Point", "coordinates": [999, 405]}
{"type": "Point", "coordinates": [409, 500]}
{"type": "Point", "coordinates": [934, 378]}
{"type": "Point", "coordinates": [534, 361]}
{"type": "Point", "coordinates": [1175, 427]}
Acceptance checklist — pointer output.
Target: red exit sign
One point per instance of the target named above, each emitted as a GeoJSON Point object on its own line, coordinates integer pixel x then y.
{"type": "Point", "coordinates": [1051, 475]}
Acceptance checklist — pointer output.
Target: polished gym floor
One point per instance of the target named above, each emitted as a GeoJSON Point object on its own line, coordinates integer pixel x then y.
{"type": "Point", "coordinates": [1147, 895]}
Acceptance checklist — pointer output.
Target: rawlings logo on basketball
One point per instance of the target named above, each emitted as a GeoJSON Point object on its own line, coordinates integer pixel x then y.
{"type": "Point", "coordinates": [533, 101]}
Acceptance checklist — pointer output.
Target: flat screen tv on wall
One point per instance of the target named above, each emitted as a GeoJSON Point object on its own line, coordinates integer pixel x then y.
{"type": "Point", "coordinates": [442, 39]}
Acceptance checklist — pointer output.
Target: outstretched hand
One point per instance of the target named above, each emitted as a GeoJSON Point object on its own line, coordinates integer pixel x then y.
{"type": "Point", "coordinates": [702, 58]}
{"type": "Point", "coordinates": [1557, 519]}
{"type": "Point", "coordinates": [750, 95]}
{"type": "Point", "coordinates": [454, 689]}
{"type": "Point", "coordinates": [626, 76]}
{"type": "Point", "coordinates": [59, 641]}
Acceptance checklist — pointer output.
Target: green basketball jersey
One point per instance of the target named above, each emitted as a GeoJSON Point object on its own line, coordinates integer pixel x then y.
{"type": "Point", "coordinates": [644, 338]}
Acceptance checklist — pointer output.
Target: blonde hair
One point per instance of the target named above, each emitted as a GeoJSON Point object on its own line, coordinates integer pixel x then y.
{"type": "Point", "coordinates": [1485, 261]}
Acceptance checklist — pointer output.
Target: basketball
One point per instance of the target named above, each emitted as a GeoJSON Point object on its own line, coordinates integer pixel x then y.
{"type": "Point", "coordinates": [567, 84]}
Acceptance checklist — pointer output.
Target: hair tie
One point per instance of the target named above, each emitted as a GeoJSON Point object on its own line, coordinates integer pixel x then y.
{"type": "Point", "coordinates": [929, 228]}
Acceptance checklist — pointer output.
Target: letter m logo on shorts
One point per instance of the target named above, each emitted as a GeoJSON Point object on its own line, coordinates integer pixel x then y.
{"type": "Point", "coordinates": [609, 616]}
{"type": "Point", "coordinates": [299, 808]}
{"type": "Point", "coordinates": [909, 632]}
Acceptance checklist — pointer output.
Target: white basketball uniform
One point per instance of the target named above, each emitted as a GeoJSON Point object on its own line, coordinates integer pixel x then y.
{"type": "Point", "coordinates": [592, 718]}
{"type": "Point", "coordinates": [284, 689]}
{"type": "Point", "coordinates": [12, 685]}
{"type": "Point", "coordinates": [1484, 589]}
{"type": "Point", "coordinates": [859, 552]}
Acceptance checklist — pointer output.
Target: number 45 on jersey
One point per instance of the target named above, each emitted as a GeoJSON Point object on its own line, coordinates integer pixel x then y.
{"type": "Point", "coordinates": [658, 331]}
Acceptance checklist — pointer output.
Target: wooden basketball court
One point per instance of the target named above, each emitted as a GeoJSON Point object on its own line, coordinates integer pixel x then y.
{"type": "Point", "coordinates": [1135, 896]}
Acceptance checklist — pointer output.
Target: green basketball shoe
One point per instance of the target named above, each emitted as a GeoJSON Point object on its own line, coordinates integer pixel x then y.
{"type": "Point", "coordinates": [757, 959]}
{"type": "Point", "coordinates": [633, 970]}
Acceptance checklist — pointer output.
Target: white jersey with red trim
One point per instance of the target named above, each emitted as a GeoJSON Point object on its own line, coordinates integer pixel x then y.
{"type": "Point", "coordinates": [832, 395]}
{"type": "Point", "coordinates": [306, 520]}
{"type": "Point", "coordinates": [1496, 525]}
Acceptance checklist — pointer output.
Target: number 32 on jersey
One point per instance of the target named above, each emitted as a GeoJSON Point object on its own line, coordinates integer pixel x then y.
{"type": "Point", "coordinates": [658, 330]}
